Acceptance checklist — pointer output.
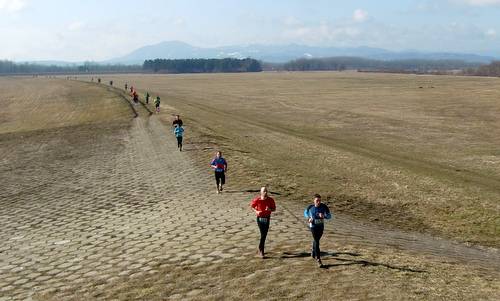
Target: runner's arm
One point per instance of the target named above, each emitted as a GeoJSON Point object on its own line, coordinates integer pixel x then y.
{"type": "Point", "coordinates": [306, 213]}
{"type": "Point", "coordinates": [253, 205]}
{"type": "Point", "coordinates": [272, 208]}
{"type": "Point", "coordinates": [328, 214]}
{"type": "Point", "coordinates": [213, 165]}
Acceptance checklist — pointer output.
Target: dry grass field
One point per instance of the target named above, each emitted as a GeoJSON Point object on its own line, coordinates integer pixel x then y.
{"type": "Point", "coordinates": [89, 193]}
{"type": "Point", "coordinates": [47, 128]}
{"type": "Point", "coordinates": [417, 152]}
{"type": "Point", "coordinates": [30, 105]}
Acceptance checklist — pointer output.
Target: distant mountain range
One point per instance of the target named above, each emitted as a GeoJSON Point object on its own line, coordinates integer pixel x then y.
{"type": "Point", "coordinates": [274, 54]}
{"type": "Point", "coordinates": [283, 53]}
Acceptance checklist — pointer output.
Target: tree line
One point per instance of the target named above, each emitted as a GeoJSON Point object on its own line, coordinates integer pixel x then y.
{"type": "Point", "coordinates": [492, 69]}
{"type": "Point", "coordinates": [95, 67]}
{"type": "Point", "coordinates": [157, 65]}
{"type": "Point", "coordinates": [202, 65]}
{"type": "Point", "coordinates": [9, 67]}
{"type": "Point", "coordinates": [251, 65]}
{"type": "Point", "coordinates": [362, 64]}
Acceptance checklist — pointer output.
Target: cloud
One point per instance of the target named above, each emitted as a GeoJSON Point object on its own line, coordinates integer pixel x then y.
{"type": "Point", "coordinates": [491, 33]}
{"type": "Point", "coordinates": [360, 15]}
{"type": "Point", "coordinates": [344, 31]}
{"type": "Point", "coordinates": [12, 6]}
{"type": "Point", "coordinates": [179, 21]}
{"type": "Point", "coordinates": [479, 2]}
{"type": "Point", "coordinates": [454, 37]}
{"type": "Point", "coordinates": [292, 21]}
{"type": "Point", "coordinates": [77, 25]}
{"type": "Point", "coordinates": [323, 33]}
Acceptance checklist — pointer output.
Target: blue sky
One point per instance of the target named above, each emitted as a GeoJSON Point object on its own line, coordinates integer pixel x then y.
{"type": "Point", "coordinates": [97, 30]}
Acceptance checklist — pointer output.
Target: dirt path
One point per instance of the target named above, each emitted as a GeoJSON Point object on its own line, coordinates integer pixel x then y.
{"type": "Point", "coordinates": [129, 211]}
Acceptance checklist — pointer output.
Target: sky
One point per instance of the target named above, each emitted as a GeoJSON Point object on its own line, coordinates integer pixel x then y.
{"type": "Point", "coordinates": [94, 30]}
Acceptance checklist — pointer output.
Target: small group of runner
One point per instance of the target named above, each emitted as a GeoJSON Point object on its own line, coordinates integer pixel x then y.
{"type": "Point", "coordinates": [135, 97]}
{"type": "Point", "coordinates": [177, 125]}
{"type": "Point", "coordinates": [156, 102]}
{"type": "Point", "coordinates": [263, 205]}
{"type": "Point", "coordinates": [316, 214]}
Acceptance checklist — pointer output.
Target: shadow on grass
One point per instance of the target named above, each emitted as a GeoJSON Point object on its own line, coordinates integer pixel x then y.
{"type": "Point", "coordinates": [191, 146]}
{"type": "Point", "coordinates": [323, 254]}
{"type": "Point", "coordinates": [348, 262]}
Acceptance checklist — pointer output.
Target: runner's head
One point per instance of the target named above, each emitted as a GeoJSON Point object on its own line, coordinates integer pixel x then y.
{"type": "Point", "coordinates": [176, 117]}
{"type": "Point", "coordinates": [263, 192]}
{"type": "Point", "coordinates": [317, 200]}
{"type": "Point", "coordinates": [218, 154]}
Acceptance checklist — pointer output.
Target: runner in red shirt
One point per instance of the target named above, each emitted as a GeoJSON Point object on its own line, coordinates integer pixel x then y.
{"type": "Point", "coordinates": [263, 205]}
{"type": "Point", "coordinates": [135, 97]}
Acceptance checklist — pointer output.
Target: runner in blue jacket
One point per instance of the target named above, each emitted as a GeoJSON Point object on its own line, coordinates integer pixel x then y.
{"type": "Point", "coordinates": [179, 133]}
{"type": "Point", "coordinates": [316, 214]}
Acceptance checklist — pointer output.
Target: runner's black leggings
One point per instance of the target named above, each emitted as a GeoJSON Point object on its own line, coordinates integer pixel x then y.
{"type": "Point", "coordinates": [317, 232]}
{"type": "Point", "coordinates": [179, 141]}
{"type": "Point", "coordinates": [220, 177]}
{"type": "Point", "coordinates": [264, 228]}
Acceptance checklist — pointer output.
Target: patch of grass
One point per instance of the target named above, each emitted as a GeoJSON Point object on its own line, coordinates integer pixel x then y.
{"type": "Point", "coordinates": [54, 103]}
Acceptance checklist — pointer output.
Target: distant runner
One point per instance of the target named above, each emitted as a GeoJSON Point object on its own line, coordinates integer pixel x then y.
{"type": "Point", "coordinates": [110, 82]}
{"type": "Point", "coordinates": [147, 97]}
{"type": "Point", "coordinates": [135, 97]}
{"type": "Point", "coordinates": [316, 214]}
{"type": "Point", "coordinates": [157, 104]}
{"type": "Point", "coordinates": [219, 165]}
{"type": "Point", "coordinates": [132, 89]}
{"type": "Point", "coordinates": [263, 205]}
{"type": "Point", "coordinates": [126, 86]}
{"type": "Point", "coordinates": [179, 133]}
{"type": "Point", "coordinates": [177, 121]}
